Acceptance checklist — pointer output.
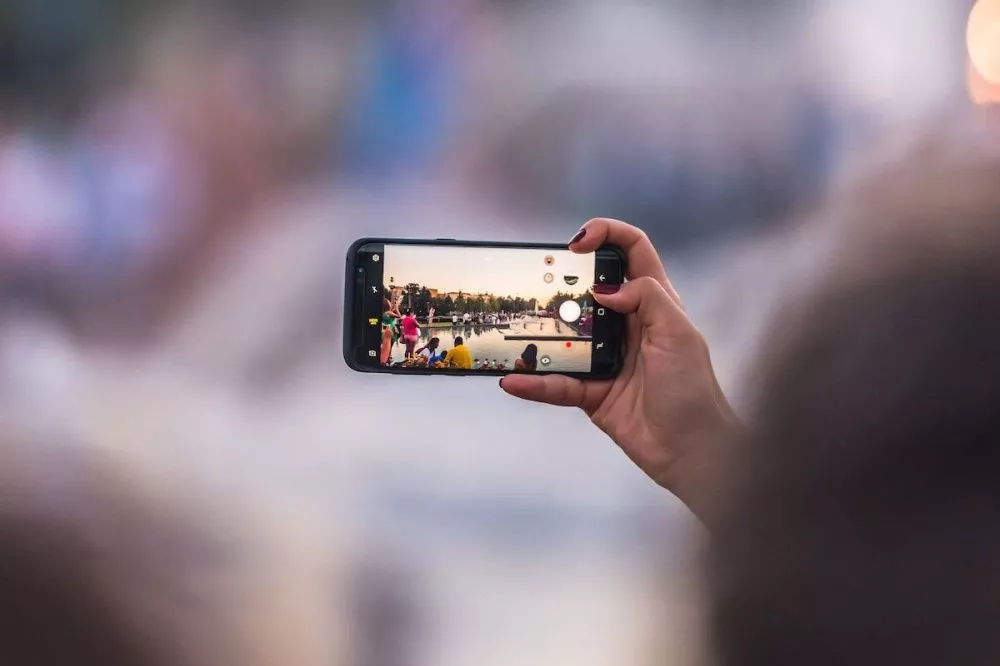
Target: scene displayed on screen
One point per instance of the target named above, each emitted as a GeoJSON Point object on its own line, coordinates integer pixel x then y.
{"type": "Point", "coordinates": [499, 309]}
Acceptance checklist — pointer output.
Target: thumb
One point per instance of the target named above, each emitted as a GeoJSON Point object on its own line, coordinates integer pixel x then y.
{"type": "Point", "coordinates": [555, 390]}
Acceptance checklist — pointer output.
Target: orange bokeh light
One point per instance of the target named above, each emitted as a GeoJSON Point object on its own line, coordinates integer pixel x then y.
{"type": "Point", "coordinates": [983, 39]}
{"type": "Point", "coordinates": [980, 90]}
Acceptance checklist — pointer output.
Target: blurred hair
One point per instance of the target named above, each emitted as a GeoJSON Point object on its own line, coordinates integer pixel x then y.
{"type": "Point", "coordinates": [459, 340]}
{"type": "Point", "coordinates": [94, 572]}
{"type": "Point", "coordinates": [530, 355]}
{"type": "Point", "coordinates": [861, 523]}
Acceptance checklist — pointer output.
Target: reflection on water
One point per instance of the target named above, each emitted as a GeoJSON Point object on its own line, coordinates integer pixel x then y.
{"type": "Point", "coordinates": [488, 343]}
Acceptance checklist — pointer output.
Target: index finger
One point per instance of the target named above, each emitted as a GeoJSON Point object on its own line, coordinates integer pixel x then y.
{"type": "Point", "coordinates": [643, 259]}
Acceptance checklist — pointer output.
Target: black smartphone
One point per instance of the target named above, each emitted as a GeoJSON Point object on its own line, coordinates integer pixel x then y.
{"type": "Point", "coordinates": [448, 307]}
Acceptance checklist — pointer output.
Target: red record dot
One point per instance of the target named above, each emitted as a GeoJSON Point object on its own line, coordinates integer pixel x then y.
{"type": "Point", "coordinates": [569, 345]}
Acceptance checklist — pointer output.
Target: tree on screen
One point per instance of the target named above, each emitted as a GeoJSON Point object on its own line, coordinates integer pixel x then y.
{"type": "Point", "coordinates": [424, 301]}
{"type": "Point", "coordinates": [411, 295]}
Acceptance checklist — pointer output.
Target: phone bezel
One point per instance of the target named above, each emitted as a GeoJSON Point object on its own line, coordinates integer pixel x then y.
{"type": "Point", "coordinates": [614, 321]}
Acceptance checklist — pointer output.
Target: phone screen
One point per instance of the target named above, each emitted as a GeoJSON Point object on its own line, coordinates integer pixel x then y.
{"type": "Point", "coordinates": [484, 309]}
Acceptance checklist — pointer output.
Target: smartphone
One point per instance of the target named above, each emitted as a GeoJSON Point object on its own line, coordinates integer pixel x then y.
{"type": "Point", "coordinates": [448, 307]}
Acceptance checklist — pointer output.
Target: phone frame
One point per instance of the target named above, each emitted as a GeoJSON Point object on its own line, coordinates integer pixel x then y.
{"type": "Point", "coordinates": [613, 322]}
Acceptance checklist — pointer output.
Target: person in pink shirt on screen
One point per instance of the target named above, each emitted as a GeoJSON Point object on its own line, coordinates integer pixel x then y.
{"type": "Point", "coordinates": [411, 332]}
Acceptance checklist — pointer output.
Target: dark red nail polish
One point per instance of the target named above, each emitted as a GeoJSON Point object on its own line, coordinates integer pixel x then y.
{"type": "Point", "coordinates": [579, 236]}
{"type": "Point", "coordinates": [607, 289]}
{"type": "Point", "coordinates": [501, 381]}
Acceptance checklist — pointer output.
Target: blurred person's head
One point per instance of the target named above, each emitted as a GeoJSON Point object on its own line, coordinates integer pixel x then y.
{"type": "Point", "coordinates": [459, 341]}
{"type": "Point", "coordinates": [237, 100]}
{"type": "Point", "coordinates": [861, 523]}
{"type": "Point", "coordinates": [255, 90]}
{"type": "Point", "coordinates": [101, 566]}
{"type": "Point", "coordinates": [530, 354]}
{"type": "Point", "coordinates": [433, 343]}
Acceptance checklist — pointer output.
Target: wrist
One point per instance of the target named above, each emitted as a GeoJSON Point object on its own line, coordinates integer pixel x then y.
{"type": "Point", "coordinates": [694, 477]}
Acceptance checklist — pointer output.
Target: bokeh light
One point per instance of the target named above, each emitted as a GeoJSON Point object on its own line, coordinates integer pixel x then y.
{"type": "Point", "coordinates": [983, 39]}
{"type": "Point", "coordinates": [980, 90]}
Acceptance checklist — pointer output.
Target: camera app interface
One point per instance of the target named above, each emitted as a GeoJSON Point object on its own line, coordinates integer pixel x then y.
{"type": "Point", "coordinates": [500, 309]}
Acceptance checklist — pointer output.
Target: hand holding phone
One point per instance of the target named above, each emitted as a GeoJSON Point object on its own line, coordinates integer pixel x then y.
{"type": "Point", "coordinates": [457, 308]}
{"type": "Point", "coordinates": [665, 409]}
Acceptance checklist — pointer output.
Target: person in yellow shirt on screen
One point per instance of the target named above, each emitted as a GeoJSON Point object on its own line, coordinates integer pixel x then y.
{"type": "Point", "coordinates": [460, 357]}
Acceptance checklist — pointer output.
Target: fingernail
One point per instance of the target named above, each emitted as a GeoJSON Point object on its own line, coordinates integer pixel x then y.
{"type": "Point", "coordinates": [501, 381]}
{"type": "Point", "coordinates": [607, 289]}
{"type": "Point", "coordinates": [579, 236]}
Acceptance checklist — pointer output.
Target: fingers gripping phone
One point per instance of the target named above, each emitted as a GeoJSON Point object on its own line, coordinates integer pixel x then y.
{"type": "Point", "coordinates": [449, 307]}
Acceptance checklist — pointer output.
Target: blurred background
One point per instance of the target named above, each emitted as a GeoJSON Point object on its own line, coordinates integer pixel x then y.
{"type": "Point", "coordinates": [179, 183]}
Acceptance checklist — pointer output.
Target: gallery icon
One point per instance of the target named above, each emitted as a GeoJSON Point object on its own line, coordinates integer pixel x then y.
{"type": "Point", "coordinates": [372, 353]}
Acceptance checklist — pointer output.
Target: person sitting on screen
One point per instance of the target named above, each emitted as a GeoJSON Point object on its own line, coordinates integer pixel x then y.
{"type": "Point", "coordinates": [430, 351]}
{"type": "Point", "coordinates": [460, 357]}
{"type": "Point", "coordinates": [529, 359]}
